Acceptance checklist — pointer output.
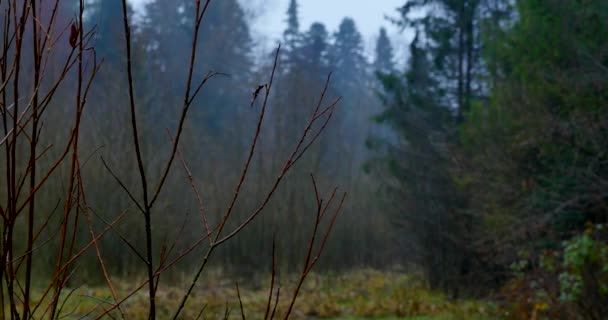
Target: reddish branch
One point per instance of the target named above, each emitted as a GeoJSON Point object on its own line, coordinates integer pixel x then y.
{"type": "Point", "coordinates": [22, 121]}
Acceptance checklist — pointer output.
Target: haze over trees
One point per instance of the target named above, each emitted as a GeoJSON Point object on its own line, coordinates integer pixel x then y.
{"type": "Point", "coordinates": [218, 131]}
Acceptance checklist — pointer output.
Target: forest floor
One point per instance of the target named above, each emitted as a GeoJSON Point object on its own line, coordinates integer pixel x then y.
{"type": "Point", "coordinates": [363, 294]}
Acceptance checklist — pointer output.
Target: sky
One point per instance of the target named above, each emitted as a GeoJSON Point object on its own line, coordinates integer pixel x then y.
{"type": "Point", "coordinates": [268, 17]}
{"type": "Point", "coordinates": [368, 14]}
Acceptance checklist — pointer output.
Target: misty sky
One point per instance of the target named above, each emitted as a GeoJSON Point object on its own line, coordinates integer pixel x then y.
{"type": "Point", "coordinates": [269, 16]}
{"type": "Point", "coordinates": [368, 14]}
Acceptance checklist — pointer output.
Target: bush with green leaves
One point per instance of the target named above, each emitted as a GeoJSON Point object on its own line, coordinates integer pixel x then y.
{"type": "Point", "coordinates": [585, 265]}
{"type": "Point", "coordinates": [567, 283]}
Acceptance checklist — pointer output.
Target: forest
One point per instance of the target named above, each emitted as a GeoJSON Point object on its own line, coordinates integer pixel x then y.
{"type": "Point", "coordinates": [160, 162]}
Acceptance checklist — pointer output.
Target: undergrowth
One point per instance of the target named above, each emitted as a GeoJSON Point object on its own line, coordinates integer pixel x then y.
{"type": "Point", "coordinates": [361, 294]}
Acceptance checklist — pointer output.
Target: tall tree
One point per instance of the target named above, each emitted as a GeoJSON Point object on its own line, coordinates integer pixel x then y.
{"type": "Point", "coordinates": [314, 48]}
{"type": "Point", "coordinates": [104, 17]}
{"type": "Point", "coordinates": [418, 160]}
{"type": "Point", "coordinates": [292, 38]}
{"type": "Point", "coordinates": [347, 57]}
{"type": "Point", "coordinates": [225, 47]}
{"type": "Point", "coordinates": [383, 59]}
{"type": "Point", "coordinates": [445, 78]}
{"type": "Point", "coordinates": [452, 38]}
{"type": "Point", "coordinates": [292, 32]}
{"type": "Point", "coordinates": [351, 72]}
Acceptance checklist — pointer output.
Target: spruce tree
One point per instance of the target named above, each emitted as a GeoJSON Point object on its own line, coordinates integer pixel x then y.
{"type": "Point", "coordinates": [292, 32]}
{"type": "Point", "coordinates": [105, 17]}
{"type": "Point", "coordinates": [415, 157]}
{"type": "Point", "coordinates": [347, 56]}
{"type": "Point", "coordinates": [384, 59]}
{"type": "Point", "coordinates": [313, 52]}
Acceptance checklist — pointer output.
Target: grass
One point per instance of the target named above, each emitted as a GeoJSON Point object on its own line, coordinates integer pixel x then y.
{"type": "Point", "coordinates": [364, 294]}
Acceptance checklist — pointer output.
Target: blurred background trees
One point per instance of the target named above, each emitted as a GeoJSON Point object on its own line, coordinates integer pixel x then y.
{"type": "Point", "coordinates": [219, 130]}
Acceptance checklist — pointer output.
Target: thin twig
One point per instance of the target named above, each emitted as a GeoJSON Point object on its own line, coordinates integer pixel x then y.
{"type": "Point", "coordinates": [238, 293]}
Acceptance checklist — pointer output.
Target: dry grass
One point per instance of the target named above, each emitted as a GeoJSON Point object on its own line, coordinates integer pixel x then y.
{"type": "Point", "coordinates": [364, 294]}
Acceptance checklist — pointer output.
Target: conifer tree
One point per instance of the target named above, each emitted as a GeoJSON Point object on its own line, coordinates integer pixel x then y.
{"type": "Point", "coordinates": [384, 59]}
{"type": "Point", "coordinates": [347, 56]}
{"type": "Point", "coordinates": [106, 19]}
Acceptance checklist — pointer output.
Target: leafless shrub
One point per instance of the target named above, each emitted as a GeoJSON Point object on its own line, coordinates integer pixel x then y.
{"type": "Point", "coordinates": [24, 99]}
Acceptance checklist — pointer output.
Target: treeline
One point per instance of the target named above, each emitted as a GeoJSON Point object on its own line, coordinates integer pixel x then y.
{"type": "Point", "coordinates": [499, 162]}
{"type": "Point", "coordinates": [216, 137]}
